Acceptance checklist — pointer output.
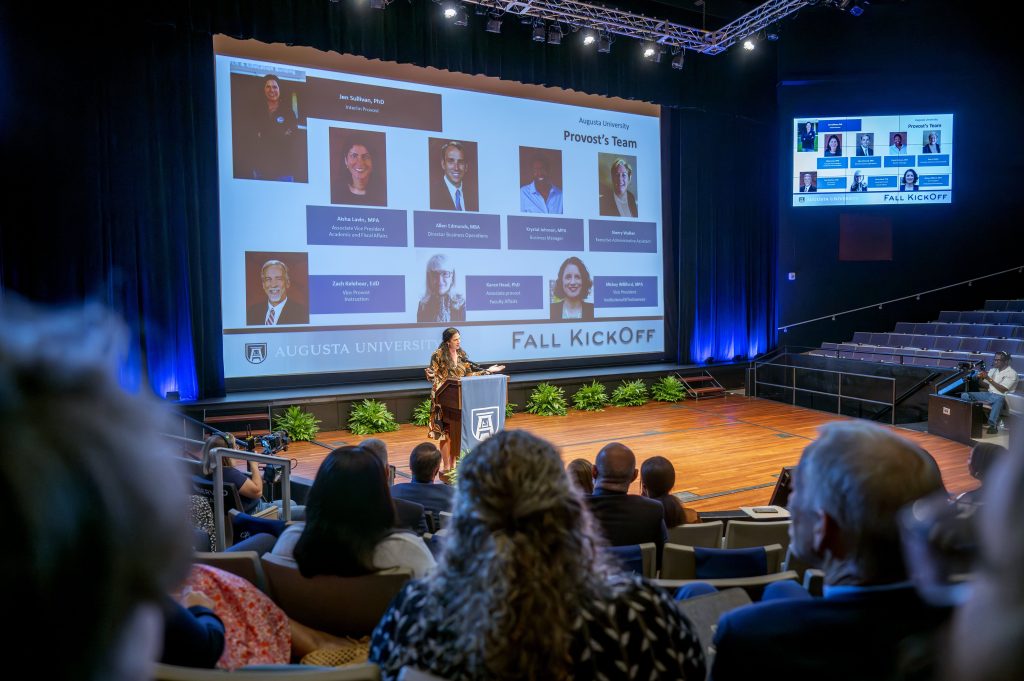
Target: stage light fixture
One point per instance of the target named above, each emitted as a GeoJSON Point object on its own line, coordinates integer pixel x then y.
{"type": "Point", "coordinates": [748, 45]}
{"type": "Point", "coordinates": [555, 34]}
{"type": "Point", "coordinates": [857, 9]}
{"type": "Point", "coordinates": [461, 17]}
{"type": "Point", "coordinates": [604, 43]}
{"type": "Point", "coordinates": [678, 58]}
{"type": "Point", "coordinates": [589, 38]}
{"type": "Point", "coordinates": [649, 51]}
{"type": "Point", "coordinates": [540, 33]}
{"type": "Point", "coordinates": [494, 25]}
{"type": "Point", "coordinates": [450, 11]}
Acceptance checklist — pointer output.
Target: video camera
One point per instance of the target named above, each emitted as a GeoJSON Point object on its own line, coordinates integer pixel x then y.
{"type": "Point", "coordinates": [272, 443]}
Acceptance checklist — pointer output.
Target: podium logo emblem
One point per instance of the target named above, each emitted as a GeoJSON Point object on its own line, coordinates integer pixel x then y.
{"type": "Point", "coordinates": [255, 352]}
{"type": "Point", "coordinates": [485, 422]}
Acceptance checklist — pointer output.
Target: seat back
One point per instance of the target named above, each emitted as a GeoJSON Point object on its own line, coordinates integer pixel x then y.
{"type": "Point", "coordinates": [754, 586]}
{"type": "Point", "coordinates": [245, 564]}
{"type": "Point", "coordinates": [742, 534]}
{"type": "Point", "coordinates": [697, 534]}
{"type": "Point", "coordinates": [342, 606]}
{"type": "Point", "coordinates": [688, 562]}
{"type": "Point", "coordinates": [637, 558]}
{"type": "Point", "coordinates": [354, 672]}
{"type": "Point", "coordinates": [704, 612]}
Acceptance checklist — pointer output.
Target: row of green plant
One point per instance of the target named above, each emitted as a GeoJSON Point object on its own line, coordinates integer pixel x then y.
{"type": "Point", "coordinates": [373, 416]}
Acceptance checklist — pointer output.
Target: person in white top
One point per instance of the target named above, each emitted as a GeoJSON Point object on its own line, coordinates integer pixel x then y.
{"type": "Point", "coordinates": [1001, 379]}
{"type": "Point", "coordinates": [349, 529]}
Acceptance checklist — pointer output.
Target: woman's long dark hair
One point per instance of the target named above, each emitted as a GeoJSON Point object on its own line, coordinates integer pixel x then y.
{"type": "Point", "coordinates": [446, 357]}
{"type": "Point", "coordinates": [348, 512]}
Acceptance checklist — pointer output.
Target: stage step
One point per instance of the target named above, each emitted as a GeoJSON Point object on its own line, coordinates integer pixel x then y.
{"type": "Point", "coordinates": [701, 386]}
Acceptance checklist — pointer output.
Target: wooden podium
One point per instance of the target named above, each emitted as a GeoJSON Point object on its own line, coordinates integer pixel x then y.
{"type": "Point", "coordinates": [955, 419]}
{"type": "Point", "coordinates": [449, 397]}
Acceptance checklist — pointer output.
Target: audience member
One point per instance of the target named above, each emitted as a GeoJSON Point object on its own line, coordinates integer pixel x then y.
{"type": "Point", "coordinates": [524, 590]}
{"type": "Point", "coordinates": [625, 519]}
{"type": "Point", "coordinates": [249, 487]}
{"type": "Point", "coordinates": [193, 633]}
{"type": "Point", "coordinates": [847, 490]}
{"type": "Point", "coordinates": [408, 514]}
{"type": "Point", "coordinates": [1000, 380]}
{"type": "Point", "coordinates": [425, 463]}
{"type": "Point", "coordinates": [983, 457]}
{"type": "Point", "coordinates": [349, 528]}
{"type": "Point", "coordinates": [987, 641]}
{"type": "Point", "coordinates": [581, 474]}
{"type": "Point", "coordinates": [657, 478]}
{"type": "Point", "coordinates": [97, 529]}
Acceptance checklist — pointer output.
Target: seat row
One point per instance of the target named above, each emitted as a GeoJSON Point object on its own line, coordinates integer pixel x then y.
{"type": "Point", "coordinates": [942, 343]}
{"type": "Point", "coordinates": [905, 356]}
{"type": "Point", "coordinates": [957, 329]}
{"type": "Point", "coordinates": [1008, 305]}
{"type": "Point", "coordinates": [982, 317]}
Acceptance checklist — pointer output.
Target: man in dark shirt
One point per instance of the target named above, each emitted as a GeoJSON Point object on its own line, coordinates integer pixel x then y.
{"type": "Point", "coordinates": [408, 514]}
{"type": "Point", "coordinates": [625, 519]}
{"type": "Point", "coordinates": [424, 463]}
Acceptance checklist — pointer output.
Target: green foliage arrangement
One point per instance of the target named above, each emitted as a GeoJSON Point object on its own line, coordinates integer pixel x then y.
{"type": "Point", "coordinates": [300, 425]}
{"type": "Point", "coordinates": [668, 389]}
{"type": "Point", "coordinates": [369, 417]}
{"type": "Point", "coordinates": [547, 400]}
{"type": "Point", "coordinates": [510, 408]}
{"type": "Point", "coordinates": [421, 414]}
{"type": "Point", "coordinates": [630, 394]}
{"type": "Point", "coordinates": [591, 397]}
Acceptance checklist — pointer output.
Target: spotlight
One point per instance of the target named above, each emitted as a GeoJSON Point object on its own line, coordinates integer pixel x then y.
{"type": "Point", "coordinates": [494, 25]}
{"type": "Point", "coordinates": [678, 58]}
{"type": "Point", "coordinates": [555, 34]}
{"type": "Point", "coordinates": [748, 44]}
{"type": "Point", "coordinates": [540, 34]}
{"type": "Point", "coordinates": [856, 10]}
{"type": "Point", "coordinates": [604, 43]}
{"type": "Point", "coordinates": [450, 11]}
{"type": "Point", "coordinates": [648, 52]}
{"type": "Point", "coordinates": [589, 38]}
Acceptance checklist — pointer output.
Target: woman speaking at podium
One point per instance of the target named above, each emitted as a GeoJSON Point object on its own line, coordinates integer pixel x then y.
{"type": "Point", "coordinates": [449, 361]}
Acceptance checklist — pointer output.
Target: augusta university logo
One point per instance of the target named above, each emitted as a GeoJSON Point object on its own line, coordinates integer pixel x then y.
{"type": "Point", "coordinates": [255, 353]}
{"type": "Point", "coordinates": [485, 422]}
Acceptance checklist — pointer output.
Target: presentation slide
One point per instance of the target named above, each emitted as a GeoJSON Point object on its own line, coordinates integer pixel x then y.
{"type": "Point", "coordinates": [873, 160]}
{"type": "Point", "coordinates": [361, 215]}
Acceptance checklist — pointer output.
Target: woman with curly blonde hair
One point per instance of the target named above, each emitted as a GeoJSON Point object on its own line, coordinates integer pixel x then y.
{"type": "Point", "coordinates": [525, 589]}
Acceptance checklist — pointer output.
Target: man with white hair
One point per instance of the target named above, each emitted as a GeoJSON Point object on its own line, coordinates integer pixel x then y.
{"type": "Point", "coordinates": [849, 485]}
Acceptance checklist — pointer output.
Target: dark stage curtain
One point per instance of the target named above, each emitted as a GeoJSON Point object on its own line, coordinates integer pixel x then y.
{"type": "Point", "coordinates": [722, 167]}
{"type": "Point", "coordinates": [108, 133]}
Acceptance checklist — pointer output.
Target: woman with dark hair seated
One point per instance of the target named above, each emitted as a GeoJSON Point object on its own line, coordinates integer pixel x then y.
{"type": "Point", "coordinates": [657, 478]}
{"type": "Point", "coordinates": [349, 529]}
{"type": "Point", "coordinates": [526, 590]}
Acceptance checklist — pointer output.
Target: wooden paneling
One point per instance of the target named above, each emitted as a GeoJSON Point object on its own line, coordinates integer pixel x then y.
{"type": "Point", "coordinates": [717, 446]}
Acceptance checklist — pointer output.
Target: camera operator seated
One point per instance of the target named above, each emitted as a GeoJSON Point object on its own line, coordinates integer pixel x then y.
{"type": "Point", "coordinates": [1000, 380]}
{"type": "Point", "coordinates": [250, 488]}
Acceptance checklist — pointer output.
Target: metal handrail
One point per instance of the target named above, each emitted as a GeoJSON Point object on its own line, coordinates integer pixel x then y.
{"type": "Point", "coordinates": [879, 305]}
{"type": "Point", "coordinates": [839, 395]}
{"type": "Point", "coordinates": [218, 480]}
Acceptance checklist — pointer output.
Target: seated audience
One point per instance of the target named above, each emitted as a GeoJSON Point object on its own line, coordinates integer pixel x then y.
{"type": "Point", "coordinates": [193, 633]}
{"type": "Point", "coordinates": [408, 514]}
{"type": "Point", "coordinates": [625, 519]}
{"type": "Point", "coordinates": [250, 487]}
{"type": "Point", "coordinates": [425, 463]}
{"type": "Point", "coordinates": [657, 478]}
{"type": "Point", "coordinates": [349, 529]}
{"type": "Point", "coordinates": [983, 457]}
{"type": "Point", "coordinates": [581, 473]}
{"type": "Point", "coordinates": [987, 638]}
{"type": "Point", "coordinates": [847, 490]}
{"type": "Point", "coordinates": [97, 529]}
{"type": "Point", "coordinates": [524, 590]}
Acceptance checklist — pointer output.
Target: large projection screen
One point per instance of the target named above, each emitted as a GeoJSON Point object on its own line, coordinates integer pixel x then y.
{"type": "Point", "coordinates": [366, 206]}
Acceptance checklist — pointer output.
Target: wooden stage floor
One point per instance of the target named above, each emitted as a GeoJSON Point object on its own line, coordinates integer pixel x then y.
{"type": "Point", "coordinates": [727, 452]}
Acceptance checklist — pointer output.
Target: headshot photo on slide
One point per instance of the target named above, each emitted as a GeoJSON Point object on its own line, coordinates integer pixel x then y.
{"type": "Point", "coordinates": [570, 289]}
{"type": "Point", "coordinates": [276, 288]}
{"type": "Point", "coordinates": [453, 175]}
{"type": "Point", "coordinates": [617, 184]}
{"type": "Point", "coordinates": [358, 167]}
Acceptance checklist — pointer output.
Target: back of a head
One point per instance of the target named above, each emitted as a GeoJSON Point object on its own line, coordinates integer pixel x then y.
{"type": "Point", "coordinates": [983, 457]}
{"type": "Point", "coordinates": [658, 476]}
{"type": "Point", "coordinates": [988, 631]}
{"type": "Point", "coordinates": [348, 512]}
{"type": "Point", "coordinates": [378, 448]}
{"type": "Point", "coordinates": [96, 528]}
{"type": "Point", "coordinates": [861, 474]}
{"type": "Point", "coordinates": [519, 530]}
{"type": "Point", "coordinates": [615, 465]}
{"type": "Point", "coordinates": [424, 462]}
{"type": "Point", "coordinates": [581, 473]}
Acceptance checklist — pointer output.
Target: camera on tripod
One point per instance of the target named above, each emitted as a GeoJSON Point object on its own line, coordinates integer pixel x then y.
{"type": "Point", "coordinates": [272, 443]}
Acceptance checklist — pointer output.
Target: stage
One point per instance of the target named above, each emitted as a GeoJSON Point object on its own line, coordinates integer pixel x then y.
{"type": "Point", "coordinates": [727, 452]}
